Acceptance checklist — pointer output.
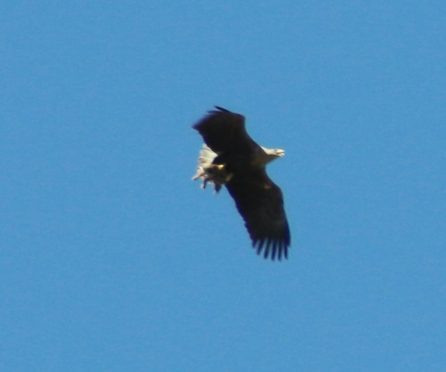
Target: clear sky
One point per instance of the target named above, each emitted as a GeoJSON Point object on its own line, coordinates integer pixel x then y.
{"type": "Point", "coordinates": [112, 259]}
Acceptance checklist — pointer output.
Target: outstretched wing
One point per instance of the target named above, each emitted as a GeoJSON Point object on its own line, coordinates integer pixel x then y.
{"type": "Point", "coordinates": [224, 132]}
{"type": "Point", "coordinates": [260, 202]}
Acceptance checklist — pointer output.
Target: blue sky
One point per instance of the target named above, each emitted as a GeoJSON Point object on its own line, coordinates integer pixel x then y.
{"type": "Point", "coordinates": [112, 259]}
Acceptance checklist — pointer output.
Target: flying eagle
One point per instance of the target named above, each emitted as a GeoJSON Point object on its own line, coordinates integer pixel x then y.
{"type": "Point", "coordinates": [230, 157]}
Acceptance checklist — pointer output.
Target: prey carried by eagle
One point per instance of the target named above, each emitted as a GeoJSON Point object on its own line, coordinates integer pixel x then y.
{"type": "Point", "coordinates": [231, 158]}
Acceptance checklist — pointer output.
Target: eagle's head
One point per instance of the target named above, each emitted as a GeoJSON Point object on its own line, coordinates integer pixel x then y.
{"type": "Point", "coordinates": [272, 154]}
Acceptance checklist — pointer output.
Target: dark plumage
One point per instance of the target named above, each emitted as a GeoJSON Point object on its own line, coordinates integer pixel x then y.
{"type": "Point", "coordinates": [235, 160]}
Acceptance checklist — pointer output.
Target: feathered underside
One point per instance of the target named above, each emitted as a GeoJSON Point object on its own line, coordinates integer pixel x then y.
{"type": "Point", "coordinates": [238, 162]}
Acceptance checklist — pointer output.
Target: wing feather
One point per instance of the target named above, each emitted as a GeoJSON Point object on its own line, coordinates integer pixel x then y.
{"type": "Point", "coordinates": [260, 202]}
{"type": "Point", "coordinates": [224, 132]}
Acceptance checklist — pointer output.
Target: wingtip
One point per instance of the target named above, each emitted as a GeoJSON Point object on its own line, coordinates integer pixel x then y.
{"type": "Point", "coordinates": [219, 108]}
{"type": "Point", "coordinates": [271, 249]}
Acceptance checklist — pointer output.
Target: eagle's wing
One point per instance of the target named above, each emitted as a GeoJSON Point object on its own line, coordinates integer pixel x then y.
{"type": "Point", "coordinates": [260, 202]}
{"type": "Point", "coordinates": [224, 132]}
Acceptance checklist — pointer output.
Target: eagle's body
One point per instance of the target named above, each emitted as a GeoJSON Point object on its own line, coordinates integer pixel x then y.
{"type": "Point", "coordinates": [230, 157]}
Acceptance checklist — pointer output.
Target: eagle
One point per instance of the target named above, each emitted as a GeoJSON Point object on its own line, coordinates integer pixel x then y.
{"type": "Point", "coordinates": [230, 157]}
